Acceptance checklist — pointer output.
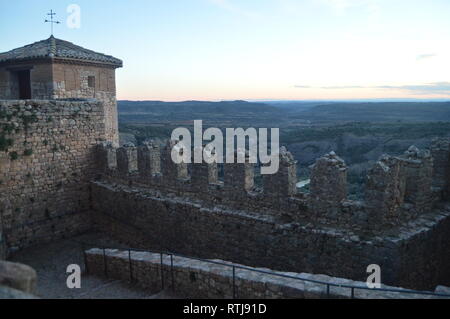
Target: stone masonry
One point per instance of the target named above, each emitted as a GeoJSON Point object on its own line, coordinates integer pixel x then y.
{"type": "Point", "coordinates": [283, 183]}
{"type": "Point", "coordinates": [440, 151]}
{"type": "Point", "coordinates": [385, 189]}
{"type": "Point", "coordinates": [59, 147]}
{"type": "Point", "coordinates": [328, 186]}
{"type": "Point", "coordinates": [321, 232]}
{"type": "Point", "coordinates": [47, 160]}
{"type": "Point", "coordinates": [58, 69]}
{"type": "Point", "coordinates": [419, 178]}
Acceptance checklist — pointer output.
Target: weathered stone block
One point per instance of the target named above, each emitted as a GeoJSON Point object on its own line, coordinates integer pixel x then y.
{"type": "Point", "coordinates": [18, 276]}
{"type": "Point", "coordinates": [173, 171]}
{"type": "Point", "coordinates": [284, 182]}
{"type": "Point", "coordinates": [328, 186]}
{"type": "Point", "coordinates": [107, 156]}
{"type": "Point", "coordinates": [440, 151]}
{"type": "Point", "coordinates": [239, 177]}
{"type": "Point", "coordinates": [418, 166]}
{"type": "Point", "coordinates": [149, 159]}
{"type": "Point", "coordinates": [127, 159]}
{"type": "Point", "coordinates": [385, 187]}
{"type": "Point", "coordinates": [204, 173]}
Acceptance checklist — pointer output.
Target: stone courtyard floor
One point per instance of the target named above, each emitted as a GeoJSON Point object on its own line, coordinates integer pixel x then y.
{"type": "Point", "coordinates": [51, 260]}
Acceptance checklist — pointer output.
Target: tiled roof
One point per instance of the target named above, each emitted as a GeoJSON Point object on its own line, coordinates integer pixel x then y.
{"type": "Point", "coordinates": [56, 48]}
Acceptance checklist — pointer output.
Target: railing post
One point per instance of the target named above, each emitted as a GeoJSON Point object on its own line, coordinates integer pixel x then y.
{"type": "Point", "coordinates": [131, 269]}
{"type": "Point", "coordinates": [105, 269]}
{"type": "Point", "coordinates": [353, 292]}
{"type": "Point", "coordinates": [234, 282]}
{"type": "Point", "coordinates": [171, 272]}
{"type": "Point", "coordinates": [328, 291]}
{"type": "Point", "coordinates": [86, 269]}
{"type": "Point", "coordinates": [162, 273]}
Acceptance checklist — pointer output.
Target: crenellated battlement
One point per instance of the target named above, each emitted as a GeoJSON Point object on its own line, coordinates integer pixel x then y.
{"type": "Point", "coordinates": [60, 176]}
{"type": "Point", "coordinates": [385, 189]}
{"type": "Point", "coordinates": [328, 184]}
{"type": "Point", "coordinates": [398, 189]}
{"type": "Point", "coordinates": [283, 183]}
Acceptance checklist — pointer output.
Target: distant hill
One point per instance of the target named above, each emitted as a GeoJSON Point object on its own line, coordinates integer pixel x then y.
{"type": "Point", "coordinates": [194, 107]}
{"type": "Point", "coordinates": [213, 113]}
{"type": "Point", "coordinates": [282, 114]}
{"type": "Point", "coordinates": [297, 106]}
{"type": "Point", "coordinates": [378, 112]}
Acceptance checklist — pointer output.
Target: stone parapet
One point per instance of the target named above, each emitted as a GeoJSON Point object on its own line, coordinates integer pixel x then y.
{"type": "Point", "coordinates": [192, 278]}
{"type": "Point", "coordinates": [398, 189]}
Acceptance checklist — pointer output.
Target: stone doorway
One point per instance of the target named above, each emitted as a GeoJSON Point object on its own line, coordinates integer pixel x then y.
{"type": "Point", "coordinates": [24, 83]}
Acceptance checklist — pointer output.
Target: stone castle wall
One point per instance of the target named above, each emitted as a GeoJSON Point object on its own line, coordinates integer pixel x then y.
{"type": "Point", "coordinates": [71, 81]}
{"type": "Point", "coordinates": [46, 162]}
{"type": "Point", "coordinates": [320, 232]}
{"type": "Point", "coordinates": [51, 80]}
{"type": "Point", "coordinates": [414, 255]}
{"type": "Point", "coordinates": [51, 151]}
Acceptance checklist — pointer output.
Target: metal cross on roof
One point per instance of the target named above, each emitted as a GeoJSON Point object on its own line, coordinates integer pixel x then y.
{"type": "Point", "coordinates": [51, 21]}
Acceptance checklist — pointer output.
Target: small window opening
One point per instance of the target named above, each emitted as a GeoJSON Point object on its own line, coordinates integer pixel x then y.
{"type": "Point", "coordinates": [91, 81]}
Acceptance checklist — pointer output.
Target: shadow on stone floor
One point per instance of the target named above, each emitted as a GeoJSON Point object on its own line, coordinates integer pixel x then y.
{"type": "Point", "coordinates": [51, 260]}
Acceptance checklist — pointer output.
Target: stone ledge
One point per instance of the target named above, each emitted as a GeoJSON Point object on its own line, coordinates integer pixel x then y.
{"type": "Point", "coordinates": [203, 279]}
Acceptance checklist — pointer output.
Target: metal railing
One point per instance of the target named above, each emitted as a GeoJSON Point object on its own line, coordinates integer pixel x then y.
{"type": "Point", "coordinates": [234, 267]}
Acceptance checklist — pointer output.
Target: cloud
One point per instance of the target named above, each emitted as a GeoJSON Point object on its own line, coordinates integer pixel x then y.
{"type": "Point", "coordinates": [331, 87]}
{"type": "Point", "coordinates": [231, 7]}
{"type": "Point", "coordinates": [342, 87]}
{"type": "Point", "coordinates": [425, 56]}
{"type": "Point", "coordinates": [429, 88]}
{"type": "Point", "coordinates": [423, 89]}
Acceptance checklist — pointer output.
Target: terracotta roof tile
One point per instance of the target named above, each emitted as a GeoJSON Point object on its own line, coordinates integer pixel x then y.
{"type": "Point", "coordinates": [56, 48]}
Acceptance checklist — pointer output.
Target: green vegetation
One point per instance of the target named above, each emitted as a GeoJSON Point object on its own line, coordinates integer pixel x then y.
{"type": "Point", "coordinates": [378, 112]}
{"type": "Point", "coordinates": [28, 119]}
{"type": "Point", "coordinates": [13, 156]}
{"type": "Point", "coordinates": [5, 143]}
{"type": "Point", "coordinates": [146, 132]}
{"type": "Point", "coordinates": [392, 130]}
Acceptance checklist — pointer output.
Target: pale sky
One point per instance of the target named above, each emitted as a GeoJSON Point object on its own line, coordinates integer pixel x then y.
{"type": "Point", "coordinates": [255, 49]}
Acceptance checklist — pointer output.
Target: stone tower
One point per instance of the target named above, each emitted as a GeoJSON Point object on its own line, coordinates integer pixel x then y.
{"type": "Point", "coordinates": [57, 69]}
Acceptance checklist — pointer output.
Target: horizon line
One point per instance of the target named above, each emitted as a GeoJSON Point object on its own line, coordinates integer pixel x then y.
{"type": "Point", "coordinates": [294, 100]}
